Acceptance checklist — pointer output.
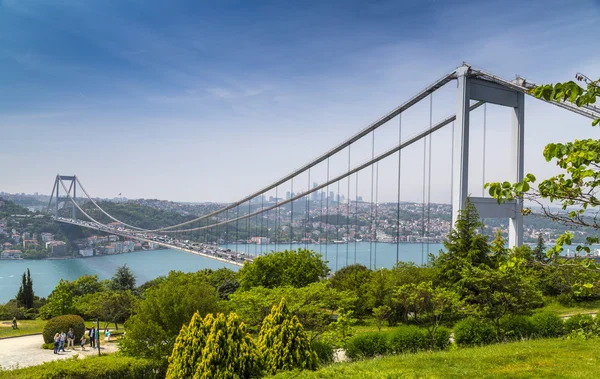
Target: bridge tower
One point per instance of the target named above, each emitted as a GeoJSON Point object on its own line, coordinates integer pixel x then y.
{"type": "Point", "coordinates": [469, 88]}
{"type": "Point", "coordinates": [66, 199]}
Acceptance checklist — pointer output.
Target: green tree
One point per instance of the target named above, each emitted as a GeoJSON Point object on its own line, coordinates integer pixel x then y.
{"type": "Point", "coordinates": [381, 314]}
{"type": "Point", "coordinates": [60, 301]}
{"type": "Point", "coordinates": [25, 296]}
{"type": "Point", "coordinates": [284, 343]}
{"type": "Point", "coordinates": [575, 187]}
{"type": "Point", "coordinates": [493, 294]}
{"type": "Point", "coordinates": [123, 279]}
{"type": "Point", "coordinates": [108, 306]}
{"type": "Point", "coordinates": [429, 304]}
{"type": "Point", "coordinates": [294, 268]}
{"type": "Point", "coordinates": [86, 284]}
{"type": "Point", "coordinates": [230, 351]}
{"type": "Point", "coordinates": [355, 278]}
{"type": "Point", "coordinates": [539, 253]}
{"type": "Point", "coordinates": [187, 352]}
{"type": "Point", "coordinates": [465, 245]}
{"type": "Point", "coordinates": [165, 308]}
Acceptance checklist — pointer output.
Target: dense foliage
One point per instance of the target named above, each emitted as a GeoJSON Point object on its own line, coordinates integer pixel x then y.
{"type": "Point", "coordinates": [63, 324]}
{"type": "Point", "coordinates": [287, 268]}
{"type": "Point", "coordinates": [187, 352]}
{"type": "Point", "coordinates": [94, 367]}
{"type": "Point", "coordinates": [165, 308]}
{"type": "Point", "coordinates": [284, 343]}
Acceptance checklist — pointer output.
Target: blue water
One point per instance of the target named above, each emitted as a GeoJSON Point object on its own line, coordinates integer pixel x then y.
{"type": "Point", "coordinates": [148, 265]}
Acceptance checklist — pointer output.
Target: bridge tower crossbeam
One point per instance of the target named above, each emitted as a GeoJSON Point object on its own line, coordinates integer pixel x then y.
{"type": "Point", "coordinates": [72, 192]}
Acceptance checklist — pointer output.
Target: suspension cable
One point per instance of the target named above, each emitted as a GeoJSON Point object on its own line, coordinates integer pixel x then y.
{"type": "Point", "coordinates": [376, 212]}
{"type": "Point", "coordinates": [348, 209]}
{"type": "Point", "coordinates": [371, 218]}
{"type": "Point", "coordinates": [327, 213]}
{"type": "Point", "coordinates": [292, 217]}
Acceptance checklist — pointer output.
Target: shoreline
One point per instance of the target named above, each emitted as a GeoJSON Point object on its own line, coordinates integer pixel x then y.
{"type": "Point", "coordinates": [76, 256]}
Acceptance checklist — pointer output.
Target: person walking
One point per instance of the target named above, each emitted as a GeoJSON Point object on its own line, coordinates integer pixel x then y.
{"type": "Point", "coordinates": [62, 339]}
{"type": "Point", "coordinates": [14, 323]}
{"type": "Point", "coordinates": [93, 337]}
{"type": "Point", "coordinates": [83, 342]}
{"type": "Point", "coordinates": [56, 342]}
{"type": "Point", "coordinates": [70, 338]}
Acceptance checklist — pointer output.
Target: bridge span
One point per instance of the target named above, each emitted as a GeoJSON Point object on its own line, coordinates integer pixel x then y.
{"type": "Point", "coordinates": [202, 249]}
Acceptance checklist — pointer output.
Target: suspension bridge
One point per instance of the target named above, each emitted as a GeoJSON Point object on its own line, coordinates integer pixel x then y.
{"type": "Point", "coordinates": [315, 214]}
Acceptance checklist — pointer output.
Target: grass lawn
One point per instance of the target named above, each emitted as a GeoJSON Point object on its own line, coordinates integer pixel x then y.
{"type": "Point", "coordinates": [25, 327]}
{"type": "Point", "coordinates": [552, 358]}
{"type": "Point", "coordinates": [562, 310]}
{"type": "Point", "coordinates": [368, 325]}
{"type": "Point", "coordinates": [111, 326]}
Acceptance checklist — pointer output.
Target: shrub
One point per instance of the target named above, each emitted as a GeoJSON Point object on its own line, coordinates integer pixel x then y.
{"type": "Point", "coordinates": [367, 345]}
{"type": "Point", "coordinates": [472, 332]}
{"type": "Point", "coordinates": [187, 351]}
{"type": "Point", "coordinates": [284, 343]}
{"type": "Point", "coordinates": [578, 321]}
{"type": "Point", "coordinates": [441, 338]}
{"type": "Point", "coordinates": [63, 323]}
{"type": "Point", "coordinates": [517, 327]}
{"type": "Point", "coordinates": [93, 367]}
{"type": "Point", "coordinates": [547, 325]}
{"type": "Point", "coordinates": [324, 351]}
{"type": "Point", "coordinates": [408, 339]}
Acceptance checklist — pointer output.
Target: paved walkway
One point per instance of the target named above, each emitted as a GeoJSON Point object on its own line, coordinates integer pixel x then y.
{"type": "Point", "coordinates": [27, 351]}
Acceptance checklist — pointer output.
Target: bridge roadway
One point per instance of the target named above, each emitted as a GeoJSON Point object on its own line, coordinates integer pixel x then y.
{"type": "Point", "coordinates": [207, 251]}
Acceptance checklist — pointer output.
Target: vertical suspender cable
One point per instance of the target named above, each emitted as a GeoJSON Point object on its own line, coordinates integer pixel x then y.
{"type": "Point", "coordinates": [262, 220]}
{"type": "Point", "coordinates": [429, 174]}
{"type": "Point", "coordinates": [376, 213]}
{"type": "Point", "coordinates": [327, 213]}
{"type": "Point", "coordinates": [423, 200]}
{"type": "Point", "coordinates": [292, 218]}
{"type": "Point", "coordinates": [348, 210]}
{"type": "Point", "coordinates": [306, 223]}
{"type": "Point", "coordinates": [337, 227]}
{"type": "Point", "coordinates": [248, 228]}
{"type": "Point", "coordinates": [371, 218]}
{"type": "Point", "coordinates": [321, 223]}
{"type": "Point", "coordinates": [399, 171]}
{"type": "Point", "coordinates": [356, 228]}
{"type": "Point", "coordinates": [237, 229]}
{"type": "Point", "coordinates": [277, 214]}
{"type": "Point", "coordinates": [268, 232]}
{"type": "Point", "coordinates": [452, 175]}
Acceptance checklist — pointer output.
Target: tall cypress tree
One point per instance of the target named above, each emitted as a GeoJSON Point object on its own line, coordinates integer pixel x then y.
{"type": "Point", "coordinates": [284, 343]}
{"type": "Point", "coordinates": [21, 294]}
{"type": "Point", "coordinates": [28, 292]}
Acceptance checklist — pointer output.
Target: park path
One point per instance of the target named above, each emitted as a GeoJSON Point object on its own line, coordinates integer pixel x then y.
{"type": "Point", "coordinates": [26, 351]}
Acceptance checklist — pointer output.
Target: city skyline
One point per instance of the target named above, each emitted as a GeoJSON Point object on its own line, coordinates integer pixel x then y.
{"type": "Point", "coordinates": [228, 104]}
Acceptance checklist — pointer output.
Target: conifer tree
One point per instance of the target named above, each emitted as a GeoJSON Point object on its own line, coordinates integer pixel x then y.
{"type": "Point", "coordinates": [284, 343]}
{"type": "Point", "coordinates": [539, 253]}
{"type": "Point", "coordinates": [25, 294]}
{"type": "Point", "coordinates": [189, 344]}
{"type": "Point", "coordinates": [229, 352]}
{"type": "Point", "coordinates": [465, 246]}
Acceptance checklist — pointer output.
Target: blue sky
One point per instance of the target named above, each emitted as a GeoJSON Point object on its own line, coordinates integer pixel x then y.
{"type": "Point", "coordinates": [196, 101]}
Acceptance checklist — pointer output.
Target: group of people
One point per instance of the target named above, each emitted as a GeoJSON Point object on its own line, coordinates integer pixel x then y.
{"type": "Point", "coordinates": [69, 337]}
{"type": "Point", "coordinates": [60, 338]}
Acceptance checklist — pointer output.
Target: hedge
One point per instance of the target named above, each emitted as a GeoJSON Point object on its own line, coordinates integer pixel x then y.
{"type": "Point", "coordinates": [93, 367]}
{"type": "Point", "coordinates": [63, 323]}
{"type": "Point", "coordinates": [547, 325]}
{"type": "Point", "coordinates": [517, 327]}
{"type": "Point", "coordinates": [408, 339]}
{"type": "Point", "coordinates": [324, 351]}
{"type": "Point", "coordinates": [367, 345]}
{"type": "Point", "coordinates": [579, 321]}
{"type": "Point", "coordinates": [473, 332]}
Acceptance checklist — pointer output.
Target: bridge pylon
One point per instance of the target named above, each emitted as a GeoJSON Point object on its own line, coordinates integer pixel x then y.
{"type": "Point", "coordinates": [475, 87]}
{"type": "Point", "coordinates": [68, 198]}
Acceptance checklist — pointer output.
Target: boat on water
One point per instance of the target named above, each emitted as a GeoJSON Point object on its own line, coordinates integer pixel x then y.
{"type": "Point", "coordinates": [339, 241]}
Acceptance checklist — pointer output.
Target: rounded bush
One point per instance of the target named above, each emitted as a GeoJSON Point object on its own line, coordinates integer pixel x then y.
{"type": "Point", "coordinates": [517, 327]}
{"type": "Point", "coordinates": [367, 345]}
{"type": "Point", "coordinates": [63, 323]}
{"type": "Point", "coordinates": [408, 339]}
{"type": "Point", "coordinates": [472, 332]}
{"type": "Point", "coordinates": [324, 351]}
{"type": "Point", "coordinates": [441, 338]}
{"type": "Point", "coordinates": [547, 325]}
{"type": "Point", "coordinates": [578, 321]}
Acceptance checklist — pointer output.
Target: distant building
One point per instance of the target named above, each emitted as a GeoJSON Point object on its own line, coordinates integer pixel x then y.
{"type": "Point", "coordinates": [29, 243]}
{"type": "Point", "coordinates": [260, 240]}
{"type": "Point", "coordinates": [88, 252]}
{"type": "Point", "coordinates": [10, 254]}
{"type": "Point", "coordinates": [113, 238]}
{"type": "Point", "coordinates": [108, 249]}
{"type": "Point", "coordinates": [57, 248]}
{"type": "Point", "coordinates": [26, 236]}
{"type": "Point", "coordinates": [16, 238]}
{"type": "Point", "coordinates": [47, 237]}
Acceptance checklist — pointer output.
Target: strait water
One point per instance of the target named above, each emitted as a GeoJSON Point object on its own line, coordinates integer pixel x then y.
{"type": "Point", "coordinates": [148, 265]}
